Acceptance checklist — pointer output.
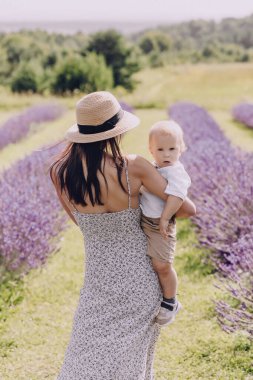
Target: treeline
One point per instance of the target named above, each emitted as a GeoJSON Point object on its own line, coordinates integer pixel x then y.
{"type": "Point", "coordinates": [37, 61]}
{"type": "Point", "coordinates": [230, 40]}
{"type": "Point", "coordinates": [41, 62]}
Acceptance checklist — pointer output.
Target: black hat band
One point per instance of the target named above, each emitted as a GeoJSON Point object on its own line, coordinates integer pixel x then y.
{"type": "Point", "coordinates": [106, 126]}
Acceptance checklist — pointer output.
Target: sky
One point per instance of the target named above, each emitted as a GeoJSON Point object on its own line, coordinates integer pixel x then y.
{"type": "Point", "coordinates": [126, 10]}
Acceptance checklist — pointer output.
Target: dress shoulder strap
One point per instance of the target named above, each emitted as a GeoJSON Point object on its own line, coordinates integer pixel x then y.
{"type": "Point", "coordinates": [128, 184]}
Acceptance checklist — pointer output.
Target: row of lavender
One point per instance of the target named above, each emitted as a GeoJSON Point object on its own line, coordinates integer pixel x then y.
{"type": "Point", "coordinates": [30, 213]}
{"type": "Point", "coordinates": [18, 127]}
{"type": "Point", "coordinates": [243, 113]}
{"type": "Point", "coordinates": [222, 188]}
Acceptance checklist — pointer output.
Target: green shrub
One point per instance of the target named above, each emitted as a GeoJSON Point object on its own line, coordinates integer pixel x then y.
{"type": "Point", "coordinates": [69, 76]}
{"type": "Point", "coordinates": [50, 60]}
{"type": "Point", "coordinates": [98, 75]}
{"type": "Point", "coordinates": [155, 41]}
{"type": "Point", "coordinates": [86, 74]}
{"type": "Point", "coordinates": [14, 46]}
{"type": "Point", "coordinates": [118, 55]}
{"type": "Point", "coordinates": [24, 80]}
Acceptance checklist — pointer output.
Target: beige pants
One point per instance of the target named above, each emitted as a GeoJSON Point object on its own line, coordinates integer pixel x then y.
{"type": "Point", "coordinates": [158, 247]}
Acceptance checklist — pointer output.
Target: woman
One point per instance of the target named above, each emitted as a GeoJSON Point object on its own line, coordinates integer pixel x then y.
{"type": "Point", "coordinates": [114, 333]}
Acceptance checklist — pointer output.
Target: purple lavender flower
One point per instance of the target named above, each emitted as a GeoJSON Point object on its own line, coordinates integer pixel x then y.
{"type": "Point", "coordinates": [30, 213]}
{"type": "Point", "coordinates": [243, 113]}
{"type": "Point", "coordinates": [125, 106]}
{"type": "Point", "coordinates": [17, 127]}
{"type": "Point", "coordinates": [222, 183]}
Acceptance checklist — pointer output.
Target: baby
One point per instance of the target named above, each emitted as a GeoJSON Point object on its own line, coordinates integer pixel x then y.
{"type": "Point", "coordinates": [158, 217]}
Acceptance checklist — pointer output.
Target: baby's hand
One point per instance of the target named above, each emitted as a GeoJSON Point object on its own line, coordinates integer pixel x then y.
{"type": "Point", "coordinates": [163, 226]}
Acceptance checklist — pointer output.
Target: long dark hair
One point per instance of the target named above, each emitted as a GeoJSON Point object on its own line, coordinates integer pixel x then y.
{"type": "Point", "coordinates": [69, 169]}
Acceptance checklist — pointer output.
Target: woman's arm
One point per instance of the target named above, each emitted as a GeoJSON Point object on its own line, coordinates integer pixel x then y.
{"type": "Point", "coordinates": [149, 177]}
{"type": "Point", "coordinates": [156, 184]}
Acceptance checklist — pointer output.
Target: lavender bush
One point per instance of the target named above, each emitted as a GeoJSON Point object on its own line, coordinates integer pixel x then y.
{"type": "Point", "coordinates": [222, 188]}
{"type": "Point", "coordinates": [17, 127]}
{"type": "Point", "coordinates": [243, 113]}
{"type": "Point", "coordinates": [30, 213]}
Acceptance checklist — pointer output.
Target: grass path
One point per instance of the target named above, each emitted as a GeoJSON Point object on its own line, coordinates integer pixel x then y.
{"type": "Point", "coordinates": [236, 132]}
{"type": "Point", "coordinates": [214, 86]}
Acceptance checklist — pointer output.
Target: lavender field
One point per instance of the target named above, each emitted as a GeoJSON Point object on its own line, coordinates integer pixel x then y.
{"type": "Point", "coordinates": [30, 213]}
{"type": "Point", "coordinates": [212, 337]}
{"type": "Point", "coordinates": [223, 191]}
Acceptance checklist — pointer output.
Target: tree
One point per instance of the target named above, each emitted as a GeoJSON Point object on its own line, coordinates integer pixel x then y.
{"type": "Point", "coordinates": [50, 59]}
{"type": "Point", "coordinates": [147, 44]}
{"type": "Point", "coordinates": [14, 47]}
{"type": "Point", "coordinates": [99, 75]}
{"type": "Point", "coordinates": [117, 54]}
{"type": "Point", "coordinates": [24, 80]}
{"type": "Point", "coordinates": [69, 76]}
{"type": "Point", "coordinates": [87, 74]}
{"type": "Point", "coordinates": [154, 41]}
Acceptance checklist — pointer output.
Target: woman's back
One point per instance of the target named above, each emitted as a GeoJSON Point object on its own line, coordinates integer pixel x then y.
{"type": "Point", "coordinates": [113, 197]}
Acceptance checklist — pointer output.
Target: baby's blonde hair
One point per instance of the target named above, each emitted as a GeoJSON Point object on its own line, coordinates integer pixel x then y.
{"type": "Point", "coordinates": [168, 127]}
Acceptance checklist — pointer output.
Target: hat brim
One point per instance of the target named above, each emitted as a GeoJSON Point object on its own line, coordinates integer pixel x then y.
{"type": "Point", "coordinates": [126, 123]}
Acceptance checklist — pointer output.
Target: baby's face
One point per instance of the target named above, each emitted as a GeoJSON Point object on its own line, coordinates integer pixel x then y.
{"type": "Point", "coordinates": [165, 148]}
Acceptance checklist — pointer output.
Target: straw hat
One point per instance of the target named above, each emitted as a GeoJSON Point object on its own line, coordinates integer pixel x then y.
{"type": "Point", "coordinates": [99, 116]}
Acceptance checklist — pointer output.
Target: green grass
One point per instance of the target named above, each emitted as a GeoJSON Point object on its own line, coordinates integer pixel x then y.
{"type": "Point", "coordinates": [37, 312]}
{"type": "Point", "coordinates": [10, 101]}
{"type": "Point", "coordinates": [216, 87]}
{"type": "Point", "coordinates": [239, 134]}
{"type": "Point", "coordinates": [33, 335]}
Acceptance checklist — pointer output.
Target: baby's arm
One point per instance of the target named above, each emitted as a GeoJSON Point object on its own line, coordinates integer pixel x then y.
{"type": "Point", "coordinates": [177, 188]}
{"type": "Point", "coordinates": [172, 205]}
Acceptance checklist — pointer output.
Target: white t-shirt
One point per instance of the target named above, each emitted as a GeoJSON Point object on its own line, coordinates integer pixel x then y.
{"type": "Point", "coordinates": [178, 184]}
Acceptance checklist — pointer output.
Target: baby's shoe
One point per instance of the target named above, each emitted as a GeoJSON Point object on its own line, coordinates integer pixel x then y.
{"type": "Point", "coordinates": [167, 313]}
